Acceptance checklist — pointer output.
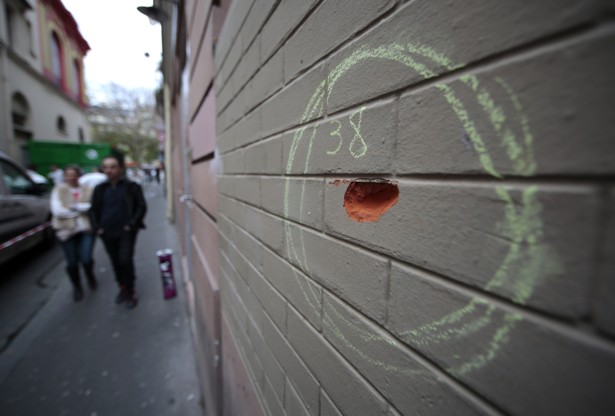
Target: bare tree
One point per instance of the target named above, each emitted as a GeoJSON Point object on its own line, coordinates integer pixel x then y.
{"type": "Point", "coordinates": [128, 121]}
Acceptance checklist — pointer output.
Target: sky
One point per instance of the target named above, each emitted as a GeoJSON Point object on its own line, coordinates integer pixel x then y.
{"type": "Point", "coordinates": [119, 37]}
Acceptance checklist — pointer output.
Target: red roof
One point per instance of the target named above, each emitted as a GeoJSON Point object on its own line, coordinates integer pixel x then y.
{"type": "Point", "coordinates": [69, 23]}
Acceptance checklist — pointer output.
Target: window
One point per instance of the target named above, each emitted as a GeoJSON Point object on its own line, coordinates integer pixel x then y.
{"type": "Point", "coordinates": [56, 59]}
{"type": "Point", "coordinates": [30, 44]}
{"type": "Point", "coordinates": [10, 26]}
{"type": "Point", "coordinates": [61, 125]}
{"type": "Point", "coordinates": [76, 80]}
{"type": "Point", "coordinates": [20, 112]}
{"type": "Point", "coordinates": [81, 136]}
{"type": "Point", "coordinates": [16, 183]}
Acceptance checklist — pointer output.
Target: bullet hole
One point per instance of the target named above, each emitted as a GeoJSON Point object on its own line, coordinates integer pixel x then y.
{"type": "Point", "coordinates": [368, 200]}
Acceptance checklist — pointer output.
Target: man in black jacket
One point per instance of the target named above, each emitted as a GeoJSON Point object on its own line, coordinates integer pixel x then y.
{"type": "Point", "coordinates": [118, 209]}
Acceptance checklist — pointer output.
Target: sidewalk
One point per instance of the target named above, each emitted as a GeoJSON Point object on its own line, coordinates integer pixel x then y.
{"type": "Point", "coordinates": [95, 358]}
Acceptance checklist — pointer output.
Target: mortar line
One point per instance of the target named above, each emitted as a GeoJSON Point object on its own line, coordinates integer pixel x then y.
{"type": "Point", "coordinates": [424, 361]}
{"type": "Point", "coordinates": [562, 325]}
{"type": "Point", "coordinates": [563, 180]}
{"type": "Point", "coordinates": [533, 48]}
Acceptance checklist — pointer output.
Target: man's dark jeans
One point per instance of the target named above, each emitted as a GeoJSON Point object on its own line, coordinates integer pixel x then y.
{"type": "Point", "coordinates": [121, 247]}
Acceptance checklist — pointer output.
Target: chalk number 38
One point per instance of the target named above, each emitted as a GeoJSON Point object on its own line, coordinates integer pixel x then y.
{"type": "Point", "coordinates": [357, 146]}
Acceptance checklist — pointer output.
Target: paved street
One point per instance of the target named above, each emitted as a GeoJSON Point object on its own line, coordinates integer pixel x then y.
{"type": "Point", "coordinates": [96, 358]}
{"type": "Point", "coordinates": [25, 287]}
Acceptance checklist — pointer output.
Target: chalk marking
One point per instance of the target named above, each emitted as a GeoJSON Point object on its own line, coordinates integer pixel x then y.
{"type": "Point", "coordinates": [523, 227]}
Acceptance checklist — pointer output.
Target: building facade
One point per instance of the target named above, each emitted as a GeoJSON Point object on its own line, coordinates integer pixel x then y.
{"type": "Point", "coordinates": [41, 66]}
{"type": "Point", "coordinates": [396, 207]}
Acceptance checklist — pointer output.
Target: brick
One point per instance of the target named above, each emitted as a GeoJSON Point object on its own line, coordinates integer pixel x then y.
{"type": "Point", "coordinates": [237, 110]}
{"type": "Point", "coordinates": [223, 240]}
{"type": "Point", "coordinates": [331, 24]}
{"type": "Point", "coordinates": [461, 32]}
{"type": "Point", "coordinates": [359, 141]}
{"type": "Point", "coordinates": [237, 262]}
{"type": "Point", "coordinates": [350, 272]}
{"type": "Point", "coordinates": [242, 399]}
{"type": "Point", "coordinates": [252, 361]}
{"type": "Point", "coordinates": [256, 317]}
{"type": "Point", "coordinates": [232, 305]}
{"type": "Point", "coordinates": [434, 140]}
{"type": "Point", "coordinates": [264, 157]}
{"type": "Point", "coordinates": [248, 189]}
{"type": "Point", "coordinates": [272, 301]}
{"type": "Point", "coordinates": [272, 400]}
{"type": "Point", "coordinates": [288, 107]}
{"type": "Point", "coordinates": [224, 72]}
{"type": "Point", "coordinates": [555, 369]}
{"type": "Point", "coordinates": [250, 63]}
{"type": "Point", "coordinates": [292, 402]}
{"type": "Point", "coordinates": [232, 163]}
{"type": "Point", "coordinates": [224, 95]}
{"type": "Point", "coordinates": [467, 232]}
{"type": "Point", "coordinates": [295, 370]}
{"type": "Point", "coordinates": [327, 407]}
{"type": "Point", "coordinates": [256, 18]}
{"type": "Point", "coordinates": [350, 392]}
{"type": "Point", "coordinates": [604, 306]}
{"type": "Point", "coordinates": [241, 292]}
{"type": "Point", "coordinates": [245, 131]}
{"type": "Point", "coordinates": [224, 142]}
{"type": "Point", "coordinates": [232, 25]}
{"type": "Point", "coordinates": [255, 313]}
{"type": "Point", "coordinates": [393, 412]}
{"type": "Point", "coordinates": [257, 373]}
{"type": "Point", "coordinates": [273, 372]}
{"type": "Point", "coordinates": [268, 80]}
{"type": "Point", "coordinates": [224, 121]}
{"type": "Point", "coordinates": [296, 199]}
{"type": "Point", "coordinates": [389, 366]}
{"type": "Point", "coordinates": [225, 186]}
{"type": "Point", "coordinates": [245, 243]}
{"type": "Point", "coordinates": [284, 19]}
{"type": "Point", "coordinates": [232, 114]}
{"type": "Point", "coordinates": [297, 288]}
{"type": "Point", "coordinates": [267, 228]}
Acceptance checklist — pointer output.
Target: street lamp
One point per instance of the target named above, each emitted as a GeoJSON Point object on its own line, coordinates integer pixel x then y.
{"type": "Point", "coordinates": [156, 14]}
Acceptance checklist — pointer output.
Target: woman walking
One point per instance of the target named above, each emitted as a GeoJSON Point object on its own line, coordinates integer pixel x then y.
{"type": "Point", "coordinates": [70, 204]}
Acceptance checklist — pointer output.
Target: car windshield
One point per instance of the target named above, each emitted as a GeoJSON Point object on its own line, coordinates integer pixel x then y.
{"type": "Point", "coordinates": [14, 180]}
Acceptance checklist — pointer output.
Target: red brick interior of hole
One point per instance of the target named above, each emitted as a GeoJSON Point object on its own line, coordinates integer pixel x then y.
{"type": "Point", "coordinates": [367, 201]}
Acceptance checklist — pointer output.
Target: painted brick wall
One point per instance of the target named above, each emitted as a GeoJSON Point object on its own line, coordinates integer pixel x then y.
{"type": "Point", "coordinates": [489, 288]}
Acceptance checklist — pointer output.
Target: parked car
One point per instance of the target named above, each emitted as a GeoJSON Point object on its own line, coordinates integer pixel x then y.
{"type": "Point", "coordinates": [24, 210]}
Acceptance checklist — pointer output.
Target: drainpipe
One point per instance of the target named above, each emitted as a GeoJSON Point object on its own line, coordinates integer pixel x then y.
{"type": "Point", "coordinates": [168, 157]}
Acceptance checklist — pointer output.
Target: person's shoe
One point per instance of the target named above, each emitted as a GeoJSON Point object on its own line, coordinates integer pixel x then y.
{"type": "Point", "coordinates": [131, 301]}
{"type": "Point", "coordinates": [121, 296]}
{"type": "Point", "coordinates": [77, 294]}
